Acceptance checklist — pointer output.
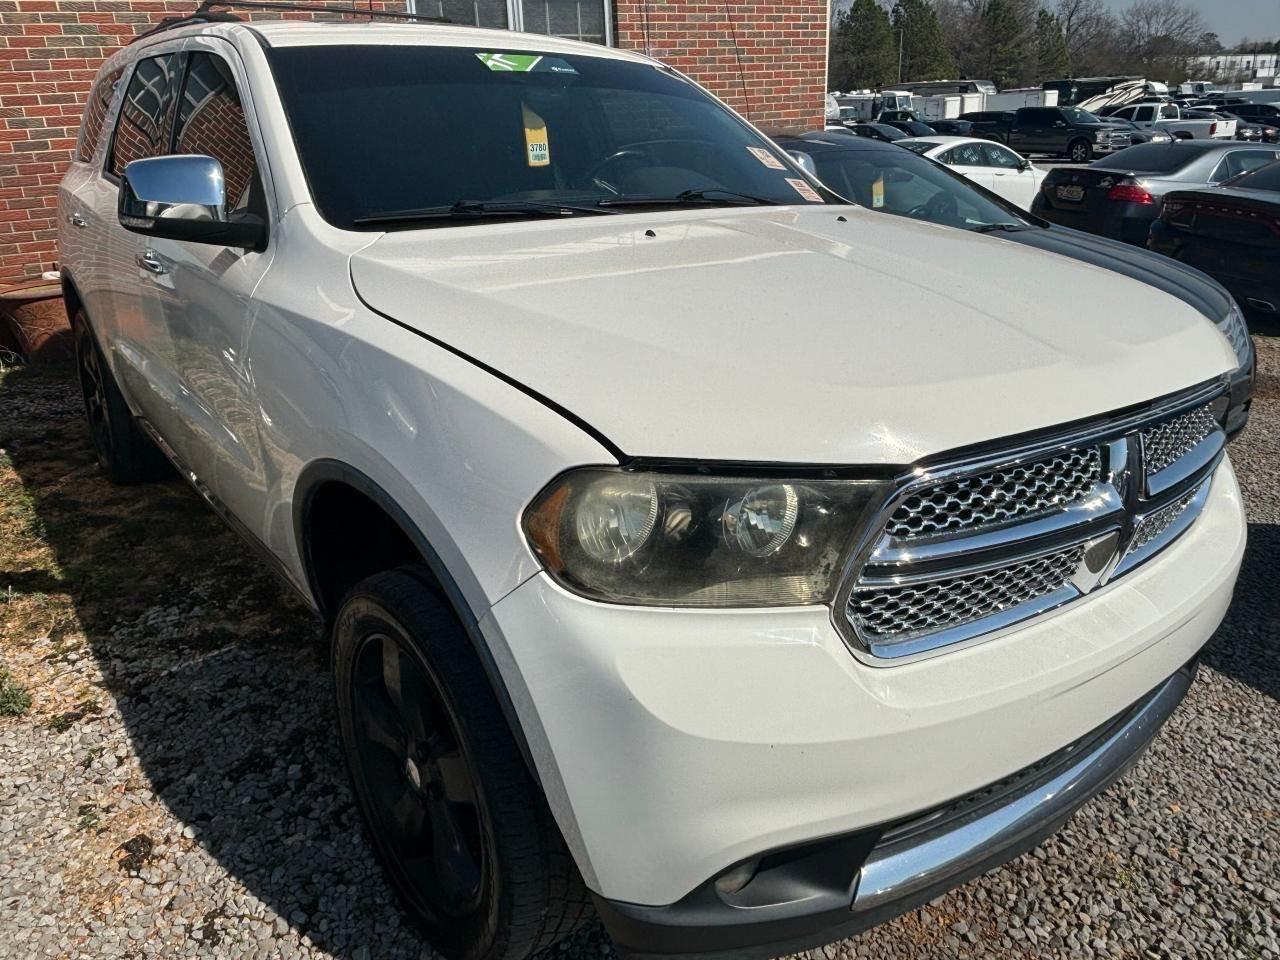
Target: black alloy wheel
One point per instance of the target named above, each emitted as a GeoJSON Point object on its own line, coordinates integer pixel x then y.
{"type": "Point", "coordinates": [420, 786]}
{"type": "Point", "coordinates": [463, 832]}
{"type": "Point", "coordinates": [123, 450]}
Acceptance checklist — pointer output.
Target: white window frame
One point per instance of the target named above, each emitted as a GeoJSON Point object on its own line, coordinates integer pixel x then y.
{"type": "Point", "coordinates": [515, 15]}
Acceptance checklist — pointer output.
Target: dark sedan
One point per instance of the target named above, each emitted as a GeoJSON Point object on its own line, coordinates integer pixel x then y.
{"type": "Point", "coordinates": [914, 128]}
{"type": "Point", "coordinates": [1232, 233]}
{"type": "Point", "coordinates": [892, 180]}
{"type": "Point", "coordinates": [953, 128]}
{"type": "Point", "coordinates": [1120, 196]}
{"type": "Point", "coordinates": [877, 131]}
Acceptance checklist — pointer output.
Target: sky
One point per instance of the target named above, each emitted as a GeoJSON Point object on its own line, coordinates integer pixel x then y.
{"type": "Point", "coordinates": [1233, 19]}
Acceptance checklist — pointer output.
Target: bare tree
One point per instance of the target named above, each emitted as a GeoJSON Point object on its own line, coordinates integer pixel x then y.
{"type": "Point", "coordinates": [1159, 34]}
{"type": "Point", "coordinates": [1089, 32]}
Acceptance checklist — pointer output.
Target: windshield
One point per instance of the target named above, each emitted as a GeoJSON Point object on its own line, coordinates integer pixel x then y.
{"type": "Point", "coordinates": [919, 146]}
{"type": "Point", "coordinates": [470, 132]}
{"type": "Point", "coordinates": [896, 181]}
{"type": "Point", "coordinates": [1076, 115]}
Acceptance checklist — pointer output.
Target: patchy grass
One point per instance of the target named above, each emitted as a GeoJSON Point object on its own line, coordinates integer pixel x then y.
{"type": "Point", "coordinates": [14, 698]}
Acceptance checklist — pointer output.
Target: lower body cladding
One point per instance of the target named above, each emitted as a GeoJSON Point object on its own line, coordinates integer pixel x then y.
{"type": "Point", "coordinates": [738, 782]}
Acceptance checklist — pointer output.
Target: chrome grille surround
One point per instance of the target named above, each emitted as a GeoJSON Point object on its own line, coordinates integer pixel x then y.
{"type": "Point", "coordinates": [1014, 534]}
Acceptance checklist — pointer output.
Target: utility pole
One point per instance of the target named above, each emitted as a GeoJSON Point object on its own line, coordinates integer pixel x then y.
{"type": "Point", "coordinates": [901, 33]}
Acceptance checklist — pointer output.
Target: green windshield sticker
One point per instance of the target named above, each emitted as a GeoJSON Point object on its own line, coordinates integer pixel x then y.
{"type": "Point", "coordinates": [524, 63]}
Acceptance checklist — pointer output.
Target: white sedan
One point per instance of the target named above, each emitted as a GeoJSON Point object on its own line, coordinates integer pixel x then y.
{"type": "Point", "coordinates": [993, 165]}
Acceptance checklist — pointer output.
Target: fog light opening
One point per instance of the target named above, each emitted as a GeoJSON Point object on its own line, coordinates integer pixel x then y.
{"type": "Point", "coordinates": [735, 878]}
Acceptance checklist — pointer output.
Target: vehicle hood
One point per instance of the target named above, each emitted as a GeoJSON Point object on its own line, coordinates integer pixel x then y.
{"type": "Point", "coordinates": [1197, 290]}
{"type": "Point", "coordinates": [790, 334]}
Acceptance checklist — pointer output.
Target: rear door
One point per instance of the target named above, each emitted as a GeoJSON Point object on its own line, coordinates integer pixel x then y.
{"type": "Point", "coordinates": [970, 160]}
{"type": "Point", "coordinates": [1009, 179]}
{"type": "Point", "coordinates": [86, 206]}
{"type": "Point", "coordinates": [140, 355]}
{"type": "Point", "coordinates": [1033, 131]}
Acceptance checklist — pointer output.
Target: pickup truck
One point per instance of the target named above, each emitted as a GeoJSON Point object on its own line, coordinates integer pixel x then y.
{"type": "Point", "coordinates": [1169, 118]}
{"type": "Point", "coordinates": [1061, 131]}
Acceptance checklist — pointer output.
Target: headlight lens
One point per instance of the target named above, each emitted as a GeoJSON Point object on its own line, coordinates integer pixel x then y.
{"type": "Point", "coordinates": [1236, 331]}
{"type": "Point", "coordinates": [691, 540]}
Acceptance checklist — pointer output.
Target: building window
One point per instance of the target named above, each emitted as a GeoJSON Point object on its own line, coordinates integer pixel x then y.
{"type": "Point", "coordinates": [589, 20]}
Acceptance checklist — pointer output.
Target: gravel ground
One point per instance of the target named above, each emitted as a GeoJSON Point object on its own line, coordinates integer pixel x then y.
{"type": "Point", "coordinates": [173, 787]}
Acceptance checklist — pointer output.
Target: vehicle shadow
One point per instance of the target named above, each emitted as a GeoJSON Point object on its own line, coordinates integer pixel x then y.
{"type": "Point", "coordinates": [1247, 645]}
{"type": "Point", "coordinates": [218, 673]}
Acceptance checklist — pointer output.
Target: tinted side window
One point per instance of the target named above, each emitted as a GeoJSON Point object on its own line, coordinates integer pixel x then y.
{"type": "Point", "coordinates": [1242, 161]}
{"type": "Point", "coordinates": [211, 122]}
{"type": "Point", "coordinates": [1037, 115]}
{"type": "Point", "coordinates": [95, 113]}
{"type": "Point", "coordinates": [146, 116]}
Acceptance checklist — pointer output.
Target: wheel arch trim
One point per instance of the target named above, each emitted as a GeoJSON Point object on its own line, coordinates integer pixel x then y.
{"type": "Point", "coordinates": [316, 475]}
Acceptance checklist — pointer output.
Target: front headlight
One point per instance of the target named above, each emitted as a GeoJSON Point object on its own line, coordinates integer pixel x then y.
{"type": "Point", "coordinates": [662, 538]}
{"type": "Point", "coordinates": [1236, 331]}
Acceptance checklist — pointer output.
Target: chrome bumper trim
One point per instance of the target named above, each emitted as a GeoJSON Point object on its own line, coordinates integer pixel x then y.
{"type": "Point", "coordinates": [959, 850]}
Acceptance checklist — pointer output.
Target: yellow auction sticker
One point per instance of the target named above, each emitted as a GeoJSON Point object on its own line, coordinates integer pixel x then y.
{"type": "Point", "coordinates": [537, 145]}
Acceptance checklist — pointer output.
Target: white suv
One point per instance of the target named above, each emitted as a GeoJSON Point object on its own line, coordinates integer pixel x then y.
{"type": "Point", "coordinates": [691, 552]}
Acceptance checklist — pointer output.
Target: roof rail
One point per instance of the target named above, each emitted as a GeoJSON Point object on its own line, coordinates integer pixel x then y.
{"type": "Point", "coordinates": [206, 14]}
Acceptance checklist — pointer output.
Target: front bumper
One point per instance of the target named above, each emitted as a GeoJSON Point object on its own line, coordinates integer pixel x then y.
{"type": "Point", "coordinates": [673, 745]}
{"type": "Point", "coordinates": [827, 891]}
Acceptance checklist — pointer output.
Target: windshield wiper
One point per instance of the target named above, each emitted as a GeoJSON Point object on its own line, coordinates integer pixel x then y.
{"type": "Point", "coordinates": [731, 197]}
{"type": "Point", "coordinates": [477, 209]}
{"type": "Point", "coordinates": [1001, 228]}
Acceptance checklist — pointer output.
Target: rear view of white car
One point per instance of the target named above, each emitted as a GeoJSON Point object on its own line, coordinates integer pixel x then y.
{"type": "Point", "coordinates": [688, 554]}
{"type": "Point", "coordinates": [992, 165]}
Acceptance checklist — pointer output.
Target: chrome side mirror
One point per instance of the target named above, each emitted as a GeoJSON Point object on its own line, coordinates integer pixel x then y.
{"type": "Point", "coordinates": [184, 198]}
{"type": "Point", "coordinates": [804, 162]}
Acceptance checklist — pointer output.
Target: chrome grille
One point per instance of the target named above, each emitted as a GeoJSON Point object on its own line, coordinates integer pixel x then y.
{"type": "Point", "coordinates": [901, 612]}
{"type": "Point", "coordinates": [999, 496]}
{"type": "Point", "coordinates": [1153, 525]}
{"type": "Point", "coordinates": [1167, 442]}
{"type": "Point", "coordinates": [969, 548]}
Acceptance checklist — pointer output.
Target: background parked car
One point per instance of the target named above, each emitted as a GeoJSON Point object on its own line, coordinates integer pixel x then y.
{"type": "Point", "coordinates": [993, 165]}
{"type": "Point", "coordinates": [1138, 135]}
{"type": "Point", "coordinates": [1265, 112]}
{"type": "Point", "coordinates": [877, 131]}
{"type": "Point", "coordinates": [1170, 118]}
{"type": "Point", "coordinates": [1058, 131]}
{"type": "Point", "coordinates": [952, 128]}
{"type": "Point", "coordinates": [913, 186]}
{"type": "Point", "coordinates": [1232, 233]}
{"type": "Point", "coordinates": [988, 124]}
{"type": "Point", "coordinates": [913, 128]}
{"type": "Point", "coordinates": [1120, 196]}
{"type": "Point", "coordinates": [1266, 132]}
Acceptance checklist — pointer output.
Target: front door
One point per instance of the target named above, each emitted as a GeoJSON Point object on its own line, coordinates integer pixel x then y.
{"type": "Point", "coordinates": [201, 295]}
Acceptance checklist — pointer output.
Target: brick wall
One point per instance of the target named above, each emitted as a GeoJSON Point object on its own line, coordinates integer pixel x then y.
{"type": "Point", "coordinates": [767, 59]}
{"type": "Point", "coordinates": [50, 51]}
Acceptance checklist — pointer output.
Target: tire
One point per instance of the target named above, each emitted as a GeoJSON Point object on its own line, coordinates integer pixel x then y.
{"type": "Point", "coordinates": [463, 833]}
{"type": "Point", "coordinates": [125, 453]}
{"type": "Point", "coordinates": [1079, 151]}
